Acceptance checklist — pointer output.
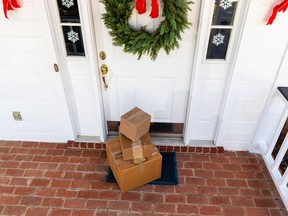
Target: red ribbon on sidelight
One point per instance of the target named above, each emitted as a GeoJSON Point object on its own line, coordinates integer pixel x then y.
{"type": "Point", "coordinates": [10, 5]}
{"type": "Point", "coordinates": [141, 7]}
{"type": "Point", "coordinates": [278, 8]}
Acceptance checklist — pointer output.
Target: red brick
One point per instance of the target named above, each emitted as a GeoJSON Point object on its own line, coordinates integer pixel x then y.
{"type": "Point", "coordinates": [73, 175]}
{"type": "Point", "coordinates": [109, 195]}
{"type": "Point", "coordinates": [81, 184]}
{"type": "Point", "coordinates": [131, 196]}
{"type": "Point", "coordinates": [233, 211]}
{"type": "Point", "coordinates": [5, 150]}
{"type": "Point", "coordinates": [60, 159]}
{"type": "Point", "coordinates": [4, 180]}
{"type": "Point", "coordinates": [29, 165]}
{"type": "Point", "coordinates": [251, 167]}
{"type": "Point", "coordinates": [206, 190]}
{"type": "Point", "coordinates": [97, 204]}
{"type": "Point", "coordinates": [215, 182]}
{"type": "Point", "coordinates": [210, 210]}
{"type": "Point", "coordinates": [259, 184]}
{"type": "Point", "coordinates": [257, 212]}
{"type": "Point", "coordinates": [93, 176]}
{"type": "Point", "coordinates": [175, 198]}
{"type": "Point", "coordinates": [24, 191]}
{"type": "Point", "coordinates": [67, 167]}
{"type": "Point", "coordinates": [195, 181]}
{"type": "Point", "coordinates": [176, 149]}
{"type": "Point", "coordinates": [77, 212]}
{"type": "Point", "coordinates": [152, 197]}
{"type": "Point", "coordinates": [92, 194]}
{"type": "Point", "coordinates": [220, 200]}
{"type": "Point", "coordinates": [248, 192]}
{"type": "Point", "coordinates": [19, 181]}
{"type": "Point", "coordinates": [30, 144]}
{"type": "Point", "coordinates": [278, 212]}
{"type": "Point", "coordinates": [203, 173]}
{"type": "Point", "coordinates": [40, 182]}
{"type": "Point", "coordinates": [241, 201]}
{"type": "Point", "coordinates": [164, 208]}
{"type": "Point", "coordinates": [87, 167]}
{"type": "Point", "coordinates": [24, 158]}
{"type": "Point", "coordinates": [195, 199]}
{"type": "Point", "coordinates": [141, 206]}
{"type": "Point", "coordinates": [218, 159]}
{"type": "Point", "coordinates": [42, 158]}
{"type": "Point", "coordinates": [236, 183]}
{"type": "Point", "coordinates": [185, 172]}
{"type": "Point", "coordinates": [45, 192]}
{"type": "Point", "coordinates": [37, 151]}
{"type": "Point", "coordinates": [48, 166]}
{"type": "Point", "coordinates": [101, 185]}
{"type": "Point", "coordinates": [78, 160]}
{"type": "Point", "coordinates": [223, 174]}
{"type": "Point", "coordinates": [54, 174]}
{"type": "Point", "coordinates": [32, 211]}
{"type": "Point", "coordinates": [11, 143]}
{"type": "Point", "coordinates": [265, 202]}
{"type": "Point", "coordinates": [33, 173]}
{"type": "Point", "coordinates": [60, 183]}
{"type": "Point", "coordinates": [228, 191]}
{"type": "Point", "coordinates": [164, 188]}
{"type": "Point", "coordinates": [53, 202]}
{"type": "Point", "coordinates": [31, 201]}
{"type": "Point", "coordinates": [238, 160]}
{"type": "Point", "coordinates": [9, 200]}
{"type": "Point", "coordinates": [90, 153]}
{"type": "Point", "coordinates": [106, 213]}
{"type": "Point", "coordinates": [119, 205]}
{"type": "Point", "coordinates": [7, 190]}
{"type": "Point", "coordinates": [183, 157]}
{"type": "Point", "coordinates": [73, 153]}
{"type": "Point", "coordinates": [74, 203]}
{"type": "Point", "coordinates": [185, 189]}
{"type": "Point", "coordinates": [19, 151]}
{"type": "Point", "coordinates": [66, 193]}
{"type": "Point", "coordinates": [220, 150]}
{"type": "Point", "coordinates": [55, 152]}
{"type": "Point", "coordinates": [198, 165]}
{"type": "Point", "coordinates": [14, 210]}
{"type": "Point", "coordinates": [144, 188]}
{"type": "Point", "coordinates": [47, 145]}
{"type": "Point", "coordinates": [200, 158]}
{"type": "Point", "coordinates": [212, 166]}
{"type": "Point", "coordinates": [234, 167]}
{"type": "Point", "coordinates": [14, 172]}
{"type": "Point", "coordinates": [191, 149]}
{"type": "Point", "coordinates": [187, 209]}
{"type": "Point", "coordinates": [10, 164]}
{"type": "Point", "coordinates": [60, 212]}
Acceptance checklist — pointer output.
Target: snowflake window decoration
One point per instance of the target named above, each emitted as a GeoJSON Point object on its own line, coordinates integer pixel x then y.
{"type": "Point", "coordinates": [218, 39]}
{"type": "Point", "coordinates": [225, 4]}
{"type": "Point", "coordinates": [73, 36]}
{"type": "Point", "coordinates": [68, 3]}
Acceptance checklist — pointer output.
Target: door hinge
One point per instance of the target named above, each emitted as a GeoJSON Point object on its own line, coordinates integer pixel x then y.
{"type": "Point", "coordinates": [56, 68]}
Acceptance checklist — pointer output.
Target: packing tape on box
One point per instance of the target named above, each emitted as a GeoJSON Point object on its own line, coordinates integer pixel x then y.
{"type": "Point", "coordinates": [137, 149]}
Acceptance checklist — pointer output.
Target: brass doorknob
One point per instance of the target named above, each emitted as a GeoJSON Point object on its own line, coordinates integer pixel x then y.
{"type": "Point", "coordinates": [104, 71]}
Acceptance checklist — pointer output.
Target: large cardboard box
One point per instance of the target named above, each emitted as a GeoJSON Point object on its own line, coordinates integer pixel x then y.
{"type": "Point", "coordinates": [140, 148]}
{"type": "Point", "coordinates": [135, 123]}
{"type": "Point", "coordinates": [128, 174]}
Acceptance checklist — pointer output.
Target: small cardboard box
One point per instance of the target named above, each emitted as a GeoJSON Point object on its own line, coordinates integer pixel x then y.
{"type": "Point", "coordinates": [140, 148]}
{"type": "Point", "coordinates": [128, 174]}
{"type": "Point", "coordinates": [135, 123]}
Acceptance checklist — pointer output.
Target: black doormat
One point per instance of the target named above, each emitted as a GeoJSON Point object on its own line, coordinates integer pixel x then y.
{"type": "Point", "coordinates": [169, 175]}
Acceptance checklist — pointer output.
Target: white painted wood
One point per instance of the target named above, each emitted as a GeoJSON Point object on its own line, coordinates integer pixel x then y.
{"type": "Point", "coordinates": [159, 87]}
{"type": "Point", "coordinates": [78, 74]}
{"type": "Point", "coordinates": [28, 81]}
{"type": "Point", "coordinates": [281, 154]}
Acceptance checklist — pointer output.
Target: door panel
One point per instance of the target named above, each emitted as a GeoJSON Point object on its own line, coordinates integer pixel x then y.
{"type": "Point", "coordinates": [159, 87]}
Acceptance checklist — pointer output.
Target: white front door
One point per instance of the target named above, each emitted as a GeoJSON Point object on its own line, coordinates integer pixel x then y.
{"type": "Point", "coordinates": [159, 87]}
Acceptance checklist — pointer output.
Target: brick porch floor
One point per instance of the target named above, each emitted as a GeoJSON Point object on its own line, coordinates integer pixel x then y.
{"type": "Point", "coordinates": [50, 179]}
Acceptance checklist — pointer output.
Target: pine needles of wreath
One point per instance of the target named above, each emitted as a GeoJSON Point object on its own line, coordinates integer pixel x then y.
{"type": "Point", "coordinates": [139, 41]}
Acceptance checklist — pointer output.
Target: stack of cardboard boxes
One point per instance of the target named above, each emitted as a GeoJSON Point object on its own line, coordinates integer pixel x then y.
{"type": "Point", "coordinates": [132, 157]}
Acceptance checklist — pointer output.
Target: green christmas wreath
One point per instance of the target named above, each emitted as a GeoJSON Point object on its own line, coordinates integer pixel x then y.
{"type": "Point", "coordinates": [140, 41]}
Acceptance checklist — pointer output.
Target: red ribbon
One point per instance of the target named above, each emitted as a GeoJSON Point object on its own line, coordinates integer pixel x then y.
{"type": "Point", "coordinates": [10, 5]}
{"type": "Point", "coordinates": [154, 11]}
{"type": "Point", "coordinates": [141, 7]}
{"type": "Point", "coordinates": [278, 8]}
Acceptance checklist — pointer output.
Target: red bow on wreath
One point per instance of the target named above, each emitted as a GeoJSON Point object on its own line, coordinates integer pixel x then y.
{"type": "Point", "coordinates": [141, 7]}
{"type": "Point", "coordinates": [10, 5]}
{"type": "Point", "coordinates": [278, 8]}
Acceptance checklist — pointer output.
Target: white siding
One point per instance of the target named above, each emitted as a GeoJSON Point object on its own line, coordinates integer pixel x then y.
{"type": "Point", "coordinates": [259, 58]}
{"type": "Point", "coordinates": [28, 83]}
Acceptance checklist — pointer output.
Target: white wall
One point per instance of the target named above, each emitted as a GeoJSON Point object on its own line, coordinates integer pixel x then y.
{"type": "Point", "coordinates": [28, 83]}
{"type": "Point", "coordinates": [255, 69]}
